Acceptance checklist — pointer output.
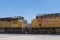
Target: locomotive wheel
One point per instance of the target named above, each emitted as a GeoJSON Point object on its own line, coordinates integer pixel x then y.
{"type": "Point", "coordinates": [43, 31]}
{"type": "Point", "coordinates": [2, 30]}
{"type": "Point", "coordinates": [34, 31]}
{"type": "Point", "coordinates": [51, 31]}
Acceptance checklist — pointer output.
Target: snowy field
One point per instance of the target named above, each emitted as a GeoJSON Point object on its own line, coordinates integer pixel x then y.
{"type": "Point", "coordinates": [28, 37]}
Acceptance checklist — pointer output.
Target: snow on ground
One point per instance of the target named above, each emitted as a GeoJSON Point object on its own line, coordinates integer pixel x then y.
{"type": "Point", "coordinates": [28, 37]}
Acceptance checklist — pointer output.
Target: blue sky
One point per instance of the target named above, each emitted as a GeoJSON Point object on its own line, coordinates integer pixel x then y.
{"type": "Point", "coordinates": [28, 8]}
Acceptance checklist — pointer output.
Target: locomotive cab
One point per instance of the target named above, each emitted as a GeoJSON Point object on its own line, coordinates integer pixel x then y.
{"type": "Point", "coordinates": [36, 24]}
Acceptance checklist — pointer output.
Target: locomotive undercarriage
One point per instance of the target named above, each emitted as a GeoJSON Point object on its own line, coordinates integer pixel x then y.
{"type": "Point", "coordinates": [43, 30]}
{"type": "Point", "coordinates": [30, 30]}
{"type": "Point", "coordinates": [13, 30]}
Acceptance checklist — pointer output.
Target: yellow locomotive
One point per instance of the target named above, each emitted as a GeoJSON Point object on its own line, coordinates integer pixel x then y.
{"type": "Point", "coordinates": [15, 24]}
{"type": "Point", "coordinates": [48, 23]}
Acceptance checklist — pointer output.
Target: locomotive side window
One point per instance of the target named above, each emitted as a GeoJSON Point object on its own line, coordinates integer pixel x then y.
{"type": "Point", "coordinates": [8, 20]}
{"type": "Point", "coordinates": [41, 17]}
{"type": "Point", "coordinates": [37, 17]}
{"type": "Point", "coordinates": [21, 18]}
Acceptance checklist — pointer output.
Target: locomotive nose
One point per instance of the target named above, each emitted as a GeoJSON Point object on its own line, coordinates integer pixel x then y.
{"type": "Point", "coordinates": [39, 20]}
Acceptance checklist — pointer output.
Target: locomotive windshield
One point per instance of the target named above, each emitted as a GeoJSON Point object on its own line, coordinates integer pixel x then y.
{"type": "Point", "coordinates": [39, 17]}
